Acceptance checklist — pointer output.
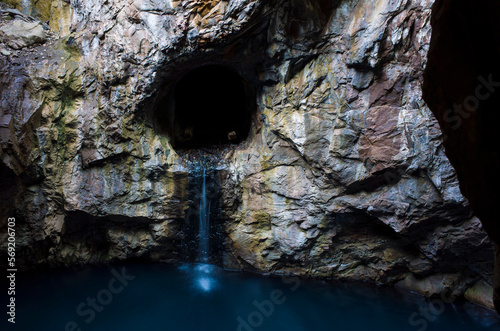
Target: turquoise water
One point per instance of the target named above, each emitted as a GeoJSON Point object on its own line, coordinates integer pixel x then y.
{"type": "Point", "coordinates": [203, 297]}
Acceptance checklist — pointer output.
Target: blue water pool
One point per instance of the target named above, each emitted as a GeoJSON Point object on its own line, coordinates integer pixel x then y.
{"type": "Point", "coordinates": [203, 297]}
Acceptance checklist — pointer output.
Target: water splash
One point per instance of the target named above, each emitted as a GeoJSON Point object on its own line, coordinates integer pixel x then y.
{"type": "Point", "coordinates": [203, 276]}
{"type": "Point", "coordinates": [204, 279]}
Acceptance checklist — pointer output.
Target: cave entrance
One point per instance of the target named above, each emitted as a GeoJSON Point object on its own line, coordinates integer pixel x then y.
{"type": "Point", "coordinates": [212, 105]}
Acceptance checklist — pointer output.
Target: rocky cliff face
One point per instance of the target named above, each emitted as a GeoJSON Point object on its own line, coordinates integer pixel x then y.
{"type": "Point", "coordinates": [343, 173]}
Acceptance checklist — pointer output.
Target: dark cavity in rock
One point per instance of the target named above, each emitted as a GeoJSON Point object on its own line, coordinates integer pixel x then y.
{"type": "Point", "coordinates": [211, 105]}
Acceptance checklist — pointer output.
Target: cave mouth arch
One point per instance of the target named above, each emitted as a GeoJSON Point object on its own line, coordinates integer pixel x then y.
{"type": "Point", "coordinates": [210, 105]}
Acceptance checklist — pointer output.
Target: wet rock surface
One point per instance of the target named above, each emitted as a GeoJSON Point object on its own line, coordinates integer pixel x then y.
{"type": "Point", "coordinates": [343, 173]}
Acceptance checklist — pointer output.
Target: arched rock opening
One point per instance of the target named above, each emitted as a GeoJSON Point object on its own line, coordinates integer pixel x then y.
{"type": "Point", "coordinates": [209, 105]}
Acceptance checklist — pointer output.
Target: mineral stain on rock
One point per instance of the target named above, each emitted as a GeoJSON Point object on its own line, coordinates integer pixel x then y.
{"type": "Point", "coordinates": [337, 169]}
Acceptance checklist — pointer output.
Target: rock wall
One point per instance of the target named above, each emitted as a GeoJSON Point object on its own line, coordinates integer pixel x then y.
{"type": "Point", "coordinates": [343, 174]}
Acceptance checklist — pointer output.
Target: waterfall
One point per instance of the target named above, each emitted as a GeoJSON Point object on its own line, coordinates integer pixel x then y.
{"type": "Point", "coordinates": [204, 222]}
{"type": "Point", "coordinates": [26, 7]}
{"type": "Point", "coordinates": [204, 279]}
{"type": "Point", "coordinates": [203, 228]}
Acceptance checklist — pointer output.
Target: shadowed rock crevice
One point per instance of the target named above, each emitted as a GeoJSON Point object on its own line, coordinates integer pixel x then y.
{"type": "Point", "coordinates": [210, 105]}
{"type": "Point", "coordinates": [462, 89]}
{"type": "Point", "coordinates": [90, 239]}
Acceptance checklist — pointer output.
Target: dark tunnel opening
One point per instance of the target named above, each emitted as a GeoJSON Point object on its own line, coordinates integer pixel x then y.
{"type": "Point", "coordinates": [210, 105]}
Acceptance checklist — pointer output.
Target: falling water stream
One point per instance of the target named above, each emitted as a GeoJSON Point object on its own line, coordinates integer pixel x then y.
{"type": "Point", "coordinates": [204, 224]}
{"type": "Point", "coordinates": [26, 6]}
{"type": "Point", "coordinates": [203, 271]}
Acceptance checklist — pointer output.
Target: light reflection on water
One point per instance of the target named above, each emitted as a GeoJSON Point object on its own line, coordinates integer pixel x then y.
{"type": "Point", "coordinates": [202, 275]}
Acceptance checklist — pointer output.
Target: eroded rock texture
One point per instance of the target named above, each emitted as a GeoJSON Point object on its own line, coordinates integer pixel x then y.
{"type": "Point", "coordinates": [343, 173]}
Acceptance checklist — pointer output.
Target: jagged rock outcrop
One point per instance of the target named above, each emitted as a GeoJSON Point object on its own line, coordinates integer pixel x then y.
{"type": "Point", "coordinates": [343, 173]}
